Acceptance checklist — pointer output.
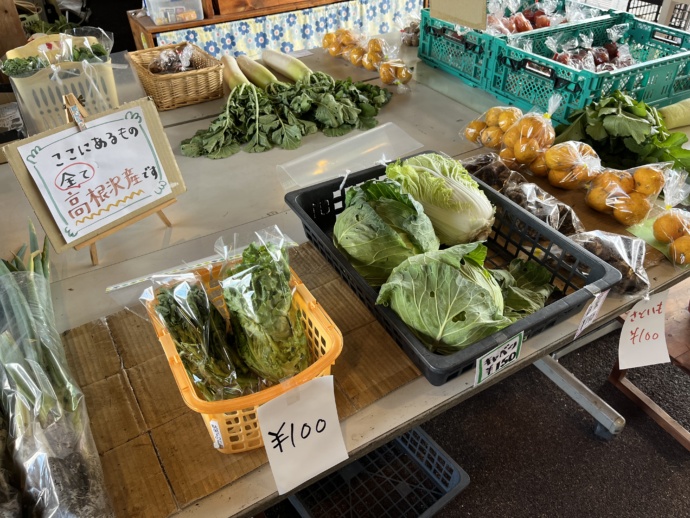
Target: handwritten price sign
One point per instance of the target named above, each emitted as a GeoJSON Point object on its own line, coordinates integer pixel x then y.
{"type": "Point", "coordinates": [301, 433]}
{"type": "Point", "coordinates": [498, 359]}
{"type": "Point", "coordinates": [643, 338]}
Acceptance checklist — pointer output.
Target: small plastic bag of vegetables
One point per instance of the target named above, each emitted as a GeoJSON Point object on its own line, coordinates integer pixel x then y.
{"type": "Point", "coordinates": [671, 228]}
{"type": "Point", "coordinates": [257, 289]}
{"type": "Point", "coordinates": [525, 142]}
{"type": "Point", "coordinates": [203, 337]}
{"type": "Point", "coordinates": [450, 300]}
{"type": "Point", "coordinates": [627, 195]}
{"type": "Point", "coordinates": [570, 165]}
{"type": "Point", "coordinates": [342, 42]}
{"type": "Point", "coordinates": [91, 44]}
{"type": "Point", "coordinates": [381, 226]}
{"type": "Point", "coordinates": [457, 207]}
{"type": "Point", "coordinates": [625, 253]}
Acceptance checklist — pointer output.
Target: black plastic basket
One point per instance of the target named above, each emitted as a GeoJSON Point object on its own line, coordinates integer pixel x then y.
{"type": "Point", "coordinates": [410, 476]}
{"type": "Point", "coordinates": [576, 273]}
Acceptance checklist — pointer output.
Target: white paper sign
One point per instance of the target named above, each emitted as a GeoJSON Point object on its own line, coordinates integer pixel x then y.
{"type": "Point", "coordinates": [93, 177]}
{"type": "Point", "coordinates": [301, 433]}
{"type": "Point", "coordinates": [498, 359]}
{"type": "Point", "coordinates": [592, 311]}
{"type": "Point", "coordinates": [643, 338]}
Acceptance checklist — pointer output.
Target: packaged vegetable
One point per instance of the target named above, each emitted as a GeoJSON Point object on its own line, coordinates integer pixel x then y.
{"type": "Point", "coordinates": [452, 199]}
{"type": "Point", "coordinates": [380, 227]}
{"type": "Point", "coordinates": [571, 165]}
{"type": "Point", "coordinates": [172, 61]}
{"type": "Point", "coordinates": [526, 140]}
{"type": "Point", "coordinates": [625, 253]}
{"type": "Point", "coordinates": [627, 195]}
{"type": "Point", "coordinates": [258, 294]}
{"type": "Point", "coordinates": [203, 337]}
{"type": "Point", "coordinates": [672, 226]}
{"type": "Point", "coordinates": [409, 30]}
{"type": "Point", "coordinates": [488, 129]}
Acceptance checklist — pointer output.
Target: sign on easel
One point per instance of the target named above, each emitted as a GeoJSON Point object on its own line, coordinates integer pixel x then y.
{"type": "Point", "coordinates": [89, 181]}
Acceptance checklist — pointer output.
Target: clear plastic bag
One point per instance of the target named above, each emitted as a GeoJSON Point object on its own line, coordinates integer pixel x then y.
{"type": "Point", "coordinates": [342, 42]}
{"type": "Point", "coordinates": [202, 336]}
{"type": "Point", "coordinates": [258, 294]}
{"type": "Point", "coordinates": [90, 44]}
{"type": "Point", "coordinates": [49, 435]}
{"type": "Point", "coordinates": [409, 30]}
{"type": "Point", "coordinates": [488, 129]}
{"type": "Point", "coordinates": [627, 195]}
{"type": "Point", "coordinates": [625, 253]}
{"type": "Point", "coordinates": [525, 142]}
{"type": "Point", "coordinates": [672, 226]}
{"type": "Point", "coordinates": [571, 165]}
{"type": "Point", "coordinates": [172, 61]}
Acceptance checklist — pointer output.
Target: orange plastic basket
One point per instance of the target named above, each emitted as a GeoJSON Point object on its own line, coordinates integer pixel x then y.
{"type": "Point", "coordinates": [233, 423]}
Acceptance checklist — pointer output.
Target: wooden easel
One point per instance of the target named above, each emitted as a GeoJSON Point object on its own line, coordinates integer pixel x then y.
{"type": "Point", "coordinates": [76, 113]}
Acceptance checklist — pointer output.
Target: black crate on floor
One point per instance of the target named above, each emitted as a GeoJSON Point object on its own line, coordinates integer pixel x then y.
{"type": "Point", "coordinates": [408, 477]}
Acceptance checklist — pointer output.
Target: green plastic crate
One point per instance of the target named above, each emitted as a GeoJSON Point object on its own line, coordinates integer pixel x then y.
{"type": "Point", "coordinates": [528, 79]}
{"type": "Point", "coordinates": [466, 54]}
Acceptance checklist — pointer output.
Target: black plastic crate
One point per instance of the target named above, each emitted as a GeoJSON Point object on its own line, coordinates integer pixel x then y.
{"type": "Point", "coordinates": [577, 274]}
{"type": "Point", "coordinates": [408, 477]}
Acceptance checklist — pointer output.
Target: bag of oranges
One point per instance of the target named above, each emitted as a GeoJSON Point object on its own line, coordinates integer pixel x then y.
{"type": "Point", "coordinates": [570, 165]}
{"type": "Point", "coordinates": [488, 129]}
{"type": "Point", "coordinates": [627, 195]}
{"type": "Point", "coordinates": [341, 42]}
{"type": "Point", "coordinates": [525, 142]}
{"type": "Point", "coordinates": [672, 227]}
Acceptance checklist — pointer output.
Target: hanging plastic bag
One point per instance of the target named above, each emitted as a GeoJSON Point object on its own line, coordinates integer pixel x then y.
{"type": "Point", "coordinates": [202, 336]}
{"type": "Point", "coordinates": [257, 290]}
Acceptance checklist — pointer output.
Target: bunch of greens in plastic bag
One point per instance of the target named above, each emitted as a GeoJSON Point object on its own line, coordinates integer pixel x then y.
{"type": "Point", "coordinates": [49, 436]}
{"type": "Point", "coordinates": [258, 295]}
{"type": "Point", "coordinates": [202, 337]}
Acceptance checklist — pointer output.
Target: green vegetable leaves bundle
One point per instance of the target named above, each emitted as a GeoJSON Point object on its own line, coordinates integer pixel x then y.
{"type": "Point", "coordinates": [380, 227]}
{"type": "Point", "coordinates": [625, 133]}
{"type": "Point", "coordinates": [450, 300]}
{"type": "Point", "coordinates": [258, 295]}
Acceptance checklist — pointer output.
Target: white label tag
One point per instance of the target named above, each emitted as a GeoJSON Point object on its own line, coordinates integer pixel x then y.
{"type": "Point", "coordinates": [643, 338]}
{"type": "Point", "coordinates": [302, 433]}
{"type": "Point", "coordinates": [498, 359]}
{"type": "Point", "coordinates": [592, 311]}
{"type": "Point", "coordinates": [217, 437]}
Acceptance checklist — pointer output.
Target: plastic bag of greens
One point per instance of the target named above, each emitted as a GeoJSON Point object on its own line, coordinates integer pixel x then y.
{"type": "Point", "coordinates": [90, 44]}
{"type": "Point", "coordinates": [49, 436]}
{"type": "Point", "coordinates": [202, 336]}
{"type": "Point", "coordinates": [257, 289]}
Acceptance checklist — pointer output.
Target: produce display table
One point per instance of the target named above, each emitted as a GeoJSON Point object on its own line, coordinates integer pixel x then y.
{"type": "Point", "coordinates": [159, 459]}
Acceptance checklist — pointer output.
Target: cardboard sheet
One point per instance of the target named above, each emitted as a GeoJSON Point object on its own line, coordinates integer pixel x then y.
{"type": "Point", "coordinates": [468, 13]}
{"type": "Point", "coordinates": [156, 452]}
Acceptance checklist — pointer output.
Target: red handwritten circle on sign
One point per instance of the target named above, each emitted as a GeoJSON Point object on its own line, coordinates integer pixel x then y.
{"type": "Point", "coordinates": [74, 176]}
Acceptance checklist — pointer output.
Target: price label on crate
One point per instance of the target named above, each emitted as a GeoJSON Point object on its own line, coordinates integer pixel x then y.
{"type": "Point", "coordinates": [301, 433]}
{"type": "Point", "coordinates": [592, 311]}
{"type": "Point", "coordinates": [643, 337]}
{"type": "Point", "coordinates": [498, 359]}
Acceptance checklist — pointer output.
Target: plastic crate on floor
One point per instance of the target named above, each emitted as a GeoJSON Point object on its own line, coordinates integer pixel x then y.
{"type": "Point", "coordinates": [660, 76]}
{"type": "Point", "coordinates": [576, 273]}
{"type": "Point", "coordinates": [408, 477]}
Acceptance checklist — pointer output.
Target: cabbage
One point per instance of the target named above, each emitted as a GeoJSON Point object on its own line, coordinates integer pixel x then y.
{"type": "Point", "coordinates": [458, 208]}
{"type": "Point", "coordinates": [381, 227]}
{"type": "Point", "coordinates": [450, 300]}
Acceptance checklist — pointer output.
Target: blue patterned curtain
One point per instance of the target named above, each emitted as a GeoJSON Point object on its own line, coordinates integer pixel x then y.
{"type": "Point", "coordinates": [297, 30]}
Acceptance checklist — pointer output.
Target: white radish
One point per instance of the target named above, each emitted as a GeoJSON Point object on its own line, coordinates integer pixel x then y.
{"type": "Point", "coordinates": [255, 72]}
{"type": "Point", "coordinates": [232, 75]}
{"type": "Point", "coordinates": [287, 65]}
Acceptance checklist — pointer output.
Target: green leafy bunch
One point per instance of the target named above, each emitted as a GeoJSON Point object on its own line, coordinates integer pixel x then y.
{"type": "Point", "coordinates": [258, 295]}
{"type": "Point", "coordinates": [22, 67]}
{"type": "Point", "coordinates": [625, 133]}
{"type": "Point", "coordinates": [258, 120]}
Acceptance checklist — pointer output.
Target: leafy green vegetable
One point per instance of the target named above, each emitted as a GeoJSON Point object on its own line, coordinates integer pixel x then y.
{"type": "Point", "coordinates": [625, 133]}
{"type": "Point", "coordinates": [283, 113]}
{"type": "Point", "coordinates": [450, 300]}
{"type": "Point", "coordinates": [458, 208]}
{"type": "Point", "coordinates": [21, 67]}
{"type": "Point", "coordinates": [94, 52]}
{"type": "Point", "coordinates": [259, 298]}
{"type": "Point", "coordinates": [204, 342]}
{"type": "Point", "coordinates": [380, 227]}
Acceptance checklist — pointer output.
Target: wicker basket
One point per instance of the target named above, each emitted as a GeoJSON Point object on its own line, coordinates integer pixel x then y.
{"type": "Point", "coordinates": [170, 91]}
